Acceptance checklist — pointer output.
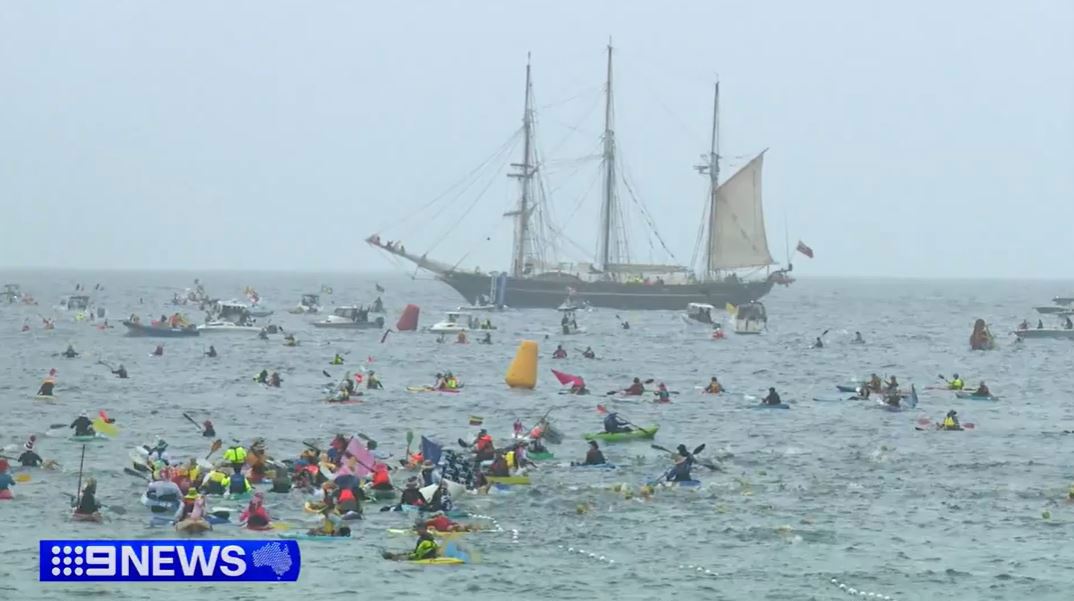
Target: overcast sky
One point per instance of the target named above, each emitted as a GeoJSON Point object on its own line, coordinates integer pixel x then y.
{"type": "Point", "coordinates": [912, 138]}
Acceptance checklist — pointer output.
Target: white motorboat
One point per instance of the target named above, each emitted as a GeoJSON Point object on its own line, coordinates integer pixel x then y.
{"type": "Point", "coordinates": [259, 310]}
{"type": "Point", "coordinates": [700, 312]}
{"type": "Point", "coordinates": [75, 302]}
{"type": "Point", "coordinates": [1064, 300]}
{"type": "Point", "coordinates": [751, 318]}
{"type": "Point", "coordinates": [1051, 310]}
{"type": "Point", "coordinates": [229, 317]}
{"type": "Point", "coordinates": [350, 318]}
{"type": "Point", "coordinates": [310, 303]}
{"type": "Point", "coordinates": [1046, 333]}
{"type": "Point", "coordinates": [456, 321]}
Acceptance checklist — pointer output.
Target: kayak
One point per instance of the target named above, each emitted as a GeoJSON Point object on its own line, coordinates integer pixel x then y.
{"type": "Point", "coordinates": [438, 561]}
{"type": "Point", "coordinates": [893, 408]}
{"type": "Point", "coordinates": [684, 483]}
{"type": "Point", "coordinates": [6, 495]}
{"type": "Point", "coordinates": [307, 536]}
{"type": "Point", "coordinates": [88, 438]}
{"type": "Point", "coordinates": [87, 517]}
{"type": "Point", "coordinates": [640, 434]}
{"type": "Point", "coordinates": [540, 456]}
{"type": "Point", "coordinates": [520, 480]}
{"type": "Point", "coordinates": [381, 494]}
{"type": "Point", "coordinates": [599, 466]}
{"type": "Point", "coordinates": [189, 526]}
{"type": "Point", "coordinates": [431, 389]}
{"type": "Point", "coordinates": [436, 533]}
{"type": "Point", "coordinates": [767, 406]}
{"type": "Point", "coordinates": [46, 397]}
{"type": "Point", "coordinates": [846, 388]}
{"type": "Point", "coordinates": [962, 394]}
{"type": "Point", "coordinates": [258, 528]}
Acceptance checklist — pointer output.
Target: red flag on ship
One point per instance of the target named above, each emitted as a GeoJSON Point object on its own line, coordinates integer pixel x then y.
{"type": "Point", "coordinates": [805, 250]}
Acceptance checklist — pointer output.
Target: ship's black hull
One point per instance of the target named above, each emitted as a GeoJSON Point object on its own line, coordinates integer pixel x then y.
{"type": "Point", "coordinates": [548, 292]}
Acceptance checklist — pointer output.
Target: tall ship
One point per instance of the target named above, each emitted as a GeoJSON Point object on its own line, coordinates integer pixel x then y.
{"type": "Point", "coordinates": [731, 265]}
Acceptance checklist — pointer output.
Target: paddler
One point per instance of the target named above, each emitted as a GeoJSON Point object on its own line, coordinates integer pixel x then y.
{"type": "Point", "coordinates": [613, 424]}
{"type": "Point", "coordinates": [578, 387]}
{"type": "Point", "coordinates": [48, 384]}
{"type": "Point", "coordinates": [29, 458]}
{"type": "Point", "coordinates": [713, 387]}
{"type": "Point", "coordinates": [486, 339]}
{"type": "Point", "coordinates": [451, 382]}
{"type": "Point", "coordinates": [381, 479]}
{"type": "Point", "coordinates": [255, 515]}
{"type": "Point", "coordinates": [87, 501]}
{"type": "Point", "coordinates": [336, 360]}
{"type": "Point", "coordinates": [982, 390]}
{"type": "Point", "coordinates": [594, 456]}
{"type": "Point", "coordinates": [680, 472]}
{"type": "Point", "coordinates": [236, 456]}
{"type": "Point", "coordinates": [207, 429]}
{"type": "Point", "coordinates": [892, 398]}
{"type": "Point", "coordinates": [560, 352]}
{"type": "Point", "coordinates": [440, 523]}
{"type": "Point", "coordinates": [289, 340]}
{"type": "Point", "coordinates": [6, 481]}
{"type": "Point", "coordinates": [120, 372]}
{"type": "Point", "coordinates": [588, 353]}
{"type": "Point", "coordinates": [500, 467]}
{"type": "Point", "coordinates": [858, 339]}
{"type": "Point", "coordinates": [159, 351]}
{"type": "Point", "coordinates": [158, 452]}
{"type": "Point", "coordinates": [875, 384]}
{"type": "Point", "coordinates": [70, 353]}
{"type": "Point", "coordinates": [211, 353]}
{"type": "Point", "coordinates": [663, 395]}
{"type": "Point", "coordinates": [426, 547]}
{"type": "Point", "coordinates": [189, 499]}
{"type": "Point", "coordinates": [372, 382]}
{"type": "Point", "coordinates": [275, 379]}
{"type": "Point", "coordinates": [956, 383]}
{"type": "Point", "coordinates": [482, 446]}
{"type": "Point", "coordinates": [950, 421]}
{"type": "Point", "coordinates": [892, 385]}
{"type": "Point", "coordinates": [818, 343]}
{"type": "Point", "coordinates": [411, 495]}
{"type": "Point", "coordinates": [441, 500]}
{"type": "Point", "coordinates": [440, 382]}
{"type": "Point", "coordinates": [347, 502]}
{"type": "Point", "coordinates": [460, 338]}
{"type": "Point", "coordinates": [427, 473]}
{"type": "Point", "coordinates": [262, 377]}
{"type": "Point", "coordinates": [214, 483]}
{"type": "Point", "coordinates": [772, 398]}
{"type": "Point", "coordinates": [82, 425]}
{"type": "Point", "coordinates": [636, 388]}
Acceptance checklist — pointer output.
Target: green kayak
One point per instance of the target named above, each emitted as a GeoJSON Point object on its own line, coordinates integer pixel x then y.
{"type": "Point", "coordinates": [90, 438]}
{"type": "Point", "coordinates": [645, 433]}
{"type": "Point", "coordinates": [540, 456]}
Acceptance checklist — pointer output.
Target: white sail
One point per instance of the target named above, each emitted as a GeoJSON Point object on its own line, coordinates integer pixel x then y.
{"type": "Point", "coordinates": [736, 223]}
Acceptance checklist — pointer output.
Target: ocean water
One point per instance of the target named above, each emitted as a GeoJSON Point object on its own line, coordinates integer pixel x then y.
{"type": "Point", "coordinates": [826, 490]}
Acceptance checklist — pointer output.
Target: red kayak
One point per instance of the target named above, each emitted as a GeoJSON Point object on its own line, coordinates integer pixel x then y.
{"type": "Point", "coordinates": [5, 495]}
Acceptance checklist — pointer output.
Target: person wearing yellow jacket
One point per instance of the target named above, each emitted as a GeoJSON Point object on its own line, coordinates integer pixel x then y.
{"type": "Point", "coordinates": [237, 484]}
{"type": "Point", "coordinates": [236, 456]}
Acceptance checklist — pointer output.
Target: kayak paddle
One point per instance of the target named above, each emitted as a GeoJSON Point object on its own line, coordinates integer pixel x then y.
{"type": "Point", "coordinates": [191, 420]}
{"type": "Point", "coordinates": [214, 448]}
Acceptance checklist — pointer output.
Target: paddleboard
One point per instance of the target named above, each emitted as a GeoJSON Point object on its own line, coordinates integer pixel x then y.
{"type": "Point", "coordinates": [46, 397]}
{"type": "Point", "coordinates": [767, 406]}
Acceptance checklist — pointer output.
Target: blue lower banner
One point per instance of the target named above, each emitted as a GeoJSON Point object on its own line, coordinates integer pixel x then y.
{"type": "Point", "coordinates": [191, 560]}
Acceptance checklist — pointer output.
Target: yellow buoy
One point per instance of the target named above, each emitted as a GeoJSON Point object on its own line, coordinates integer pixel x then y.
{"type": "Point", "coordinates": [522, 373]}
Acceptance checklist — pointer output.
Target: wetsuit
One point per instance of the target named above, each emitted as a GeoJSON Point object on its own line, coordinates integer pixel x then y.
{"type": "Point", "coordinates": [30, 459]}
{"type": "Point", "coordinates": [614, 425]}
{"type": "Point", "coordinates": [635, 389]}
{"type": "Point", "coordinates": [681, 471]}
{"type": "Point", "coordinates": [594, 457]}
{"type": "Point", "coordinates": [411, 496]}
{"type": "Point", "coordinates": [773, 399]}
{"type": "Point", "coordinates": [121, 372]}
{"type": "Point", "coordinates": [83, 426]}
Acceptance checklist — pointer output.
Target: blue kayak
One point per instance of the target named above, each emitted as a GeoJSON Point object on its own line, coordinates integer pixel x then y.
{"type": "Point", "coordinates": [767, 406]}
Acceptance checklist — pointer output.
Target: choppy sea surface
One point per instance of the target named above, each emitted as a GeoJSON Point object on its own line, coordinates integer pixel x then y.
{"type": "Point", "coordinates": [827, 490]}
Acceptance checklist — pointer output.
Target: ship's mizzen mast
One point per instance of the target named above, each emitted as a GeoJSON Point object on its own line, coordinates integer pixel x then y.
{"type": "Point", "coordinates": [608, 234]}
{"type": "Point", "coordinates": [526, 171]}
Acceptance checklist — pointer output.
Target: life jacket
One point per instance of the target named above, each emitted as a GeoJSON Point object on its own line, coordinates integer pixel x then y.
{"type": "Point", "coordinates": [957, 384]}
{"type": "Point", "coordinates": [452, 383]}
{"type": "Point", "coordinates": [235, 455]}
{"type": "Point", "coordinates": [346, 496]}
{"type": "Point", "coordinates": [484, 443]}
{"type": "Point", "coordinates": [949, 423]}
{"type": "Point", "coordinates": [536, 432]}
{"type": "Point", "coordinates": [381, 477]}
{"type": "Point", "coordinates": [510, 458]}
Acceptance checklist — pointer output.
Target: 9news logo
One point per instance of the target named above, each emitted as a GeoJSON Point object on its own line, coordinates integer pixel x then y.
{"type": "Point", "coordinates": [143, 560]}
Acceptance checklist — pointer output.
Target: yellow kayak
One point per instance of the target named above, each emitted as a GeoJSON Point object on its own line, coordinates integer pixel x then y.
{"type": "Point", "coordinates": [435, 533]}
{"type": "Point", "coordinates": [438, 561]}
{"type": "Point", "coordinates": [508, 479]}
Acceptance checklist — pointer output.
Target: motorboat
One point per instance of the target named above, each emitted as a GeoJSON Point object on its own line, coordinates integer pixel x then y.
{"type": "Point", "coordinates": [569, 322]}
{"type": "Point", "coordinates": [1045, 333]}
{"type": "Point", "coordinates": [229, 316]}
{"type": "Point", "coordinates": [350, 318]}
{"type": "Point", "coordinates": [701, 312]}
{"type": "Point", "coordinates": [1051, 310]}
{"type": "Point", "coordinates": [310, 303]}
{"type": "Point", "coordinates": [11, 293]}
{"type": "Point", "coordinates": [76, 302]}
{"type": "Point", "coordinates": [456, 321]}
{"type": "Point", "coordinates": [259, 310]}
{"type": "Point", "coordinates": [1064, 300]}
{"type": "Point", "coordinates": [751, 318]}
{"type": "Point", "coordinates": [159, 330]}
